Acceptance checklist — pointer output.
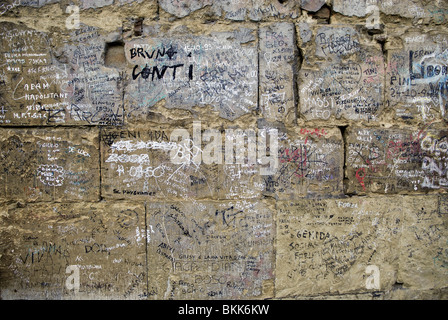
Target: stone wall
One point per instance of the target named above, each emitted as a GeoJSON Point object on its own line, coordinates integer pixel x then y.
{"type": "Point", "coordinates": [204, 149]}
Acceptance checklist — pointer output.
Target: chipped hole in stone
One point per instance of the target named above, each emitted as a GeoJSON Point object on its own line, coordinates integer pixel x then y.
{"type": "Point", "coordinates": [138, 27]}
{"type": "Point", "coordinates": [114, 55]}
{"type": "Point", "coordinates": [283, 1]}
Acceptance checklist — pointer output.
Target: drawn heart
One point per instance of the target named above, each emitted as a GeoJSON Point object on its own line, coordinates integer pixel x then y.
{"type": "Point", "coordinates": [348, 75]}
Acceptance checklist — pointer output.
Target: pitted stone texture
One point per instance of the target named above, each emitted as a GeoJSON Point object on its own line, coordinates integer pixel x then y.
{"type": "Point", "coordinates": [43, 244]}
{"type": "Point", "coordinates": [417, 77]}
{"type": "Point", "coordinates": [396, 160]}
{"type": "Point", "coordinates": [207, 250]}
{"type": "Point", "coordinates": [325, 246]}
{"type": "Point", "coordinates": [350, 7]}
{"type": "Point", "coordinates": [43, 166]}
{"type": "Point", "coordinates": [220, 69]}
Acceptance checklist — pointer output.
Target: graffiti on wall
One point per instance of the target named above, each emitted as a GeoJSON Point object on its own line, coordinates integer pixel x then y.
{"type": "Point", "coordinates": [40, 88]}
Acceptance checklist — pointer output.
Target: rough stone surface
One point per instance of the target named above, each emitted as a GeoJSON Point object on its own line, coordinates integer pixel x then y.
{"type": "Point", "coordinates": [312, 5]}
{"type": "Point", "coordinates": [277, 73]}
{"type": "Point", "coordinates": [348, 84]}
{"type": "Point", "coordinates": [417, 76]}
{"type": "Point", "coordinates": [326, 245]}
{"type": "Point", "coordinates": [350, 7]}
{"type": "Point", "coordinates": [65, 86]}
{"type": "Point", "coordinates": [84, 4]}
{"type": "Point", "coordinates": [310, 163]}
{"type": "Point", "coordinates": [405, 8]}
{"type": "Point", "coordinates": [137, 164]}
{"type": "Point", "coordinates": [183, 8]}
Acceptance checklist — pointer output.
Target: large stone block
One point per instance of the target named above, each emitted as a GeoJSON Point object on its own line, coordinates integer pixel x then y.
{"type": "Point", "coordinates": [254, 157]}
{"type": "Point", "coordinates": [277, 67]}
{"type": "Point", "coordinates": [396, 160]}
{"type": "Point", "coordinates": [333, 246]}
{"type": "Point", "coordinates": [310, 164]}
{"type": "Point", "coordinates": [415, 9]}
{"type": "Point", "coordinates": [185, 70]}
{"type": "Point", "coordinates": [348, 84]}
{"type": "Point", "coordinates": [73, 251]}
{"type": "Point", "coordinates": [417, 78]}
{"type": "Point", "coordinates": [43, 166]}
{"type": "Point", "coordinates": [44, 82]}
{"type": "Point", "coordinates": [146, 164]}
{"type": "Point", "coordinates": [210, 250]}
{"type": "Point", "coordinates": [25, 58]}
{"type": "Point", "coordinates": [204, 161]}
{"type": "Point", "coordinates": [35, 3]}
{"type": "Point", "coordinates": [424, 243]}
{"type": "Point", "coordinates": [96, 91]}
{"type": "Point", "coordinates": [84, 4]}
{"type": "Point", "coordinates": [256, 10]}
{"type": "Point", "coordinates": [350, 7]}
{"type": "Point", "coordinates": [312, 5]}
{"type": "Point", "coordinates": [184, 8]}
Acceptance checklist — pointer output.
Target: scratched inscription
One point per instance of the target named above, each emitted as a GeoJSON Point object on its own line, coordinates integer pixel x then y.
{"type": "Point", "coordinates": [209, 251]}
{"type": "Point", "coordinates": [417, 78]}
{"type": "Point", "coordinates": [349, 84]}
{"type": "Point", "coordinates": [424, 244]}
{"type": "Point", "coordinates": [105, 243]}
{"type": "Point", "coordinates": [220, 70]}
{"type": "Point", "coordinates": [41, 166]}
